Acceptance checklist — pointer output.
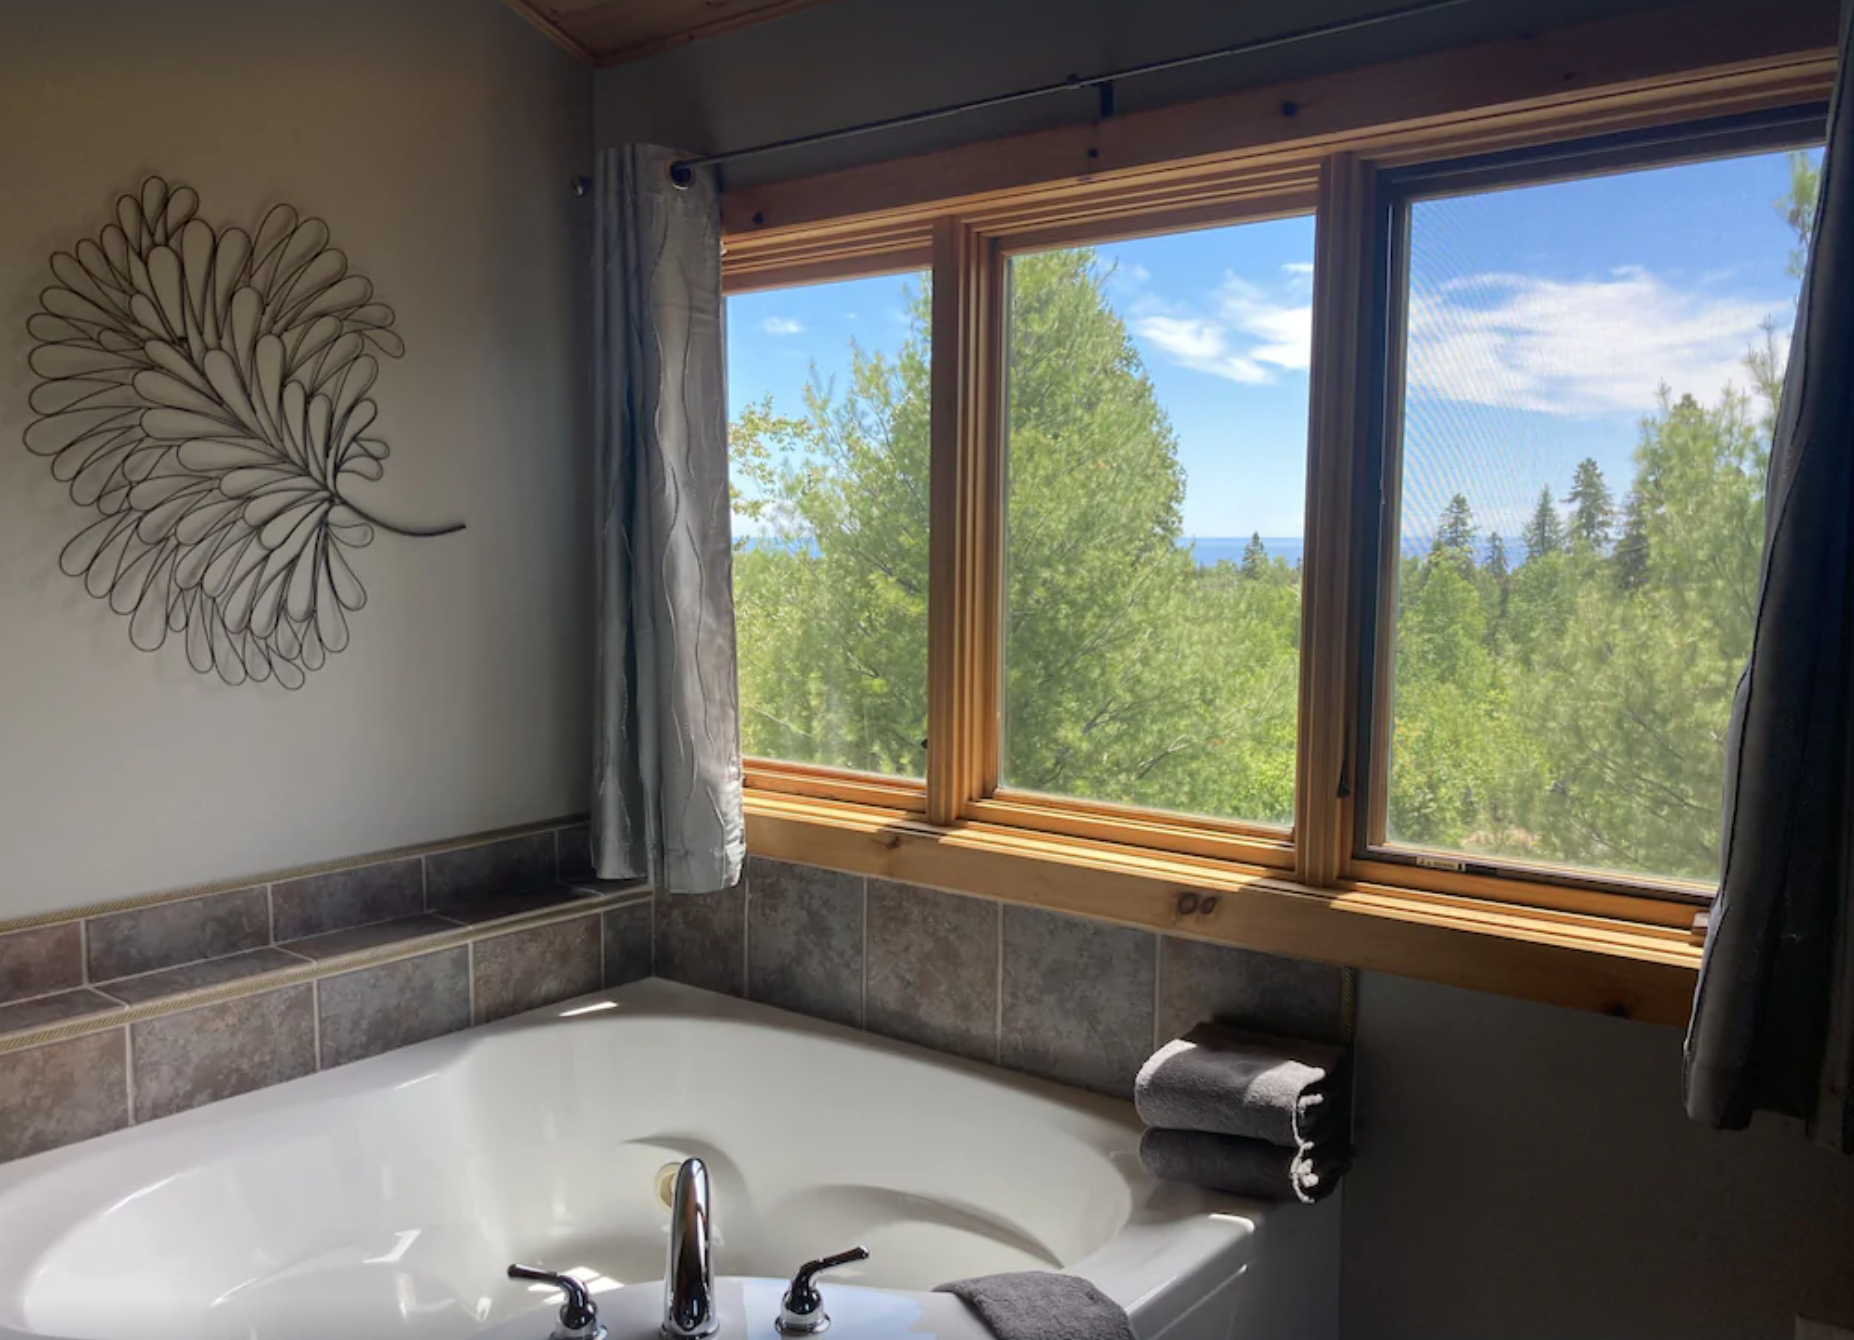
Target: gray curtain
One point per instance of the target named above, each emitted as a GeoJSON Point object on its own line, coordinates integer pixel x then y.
{"type": "Point", "coordinates": [666, 771]}
{"type": "Point", "coordinates": [1773, 1020]}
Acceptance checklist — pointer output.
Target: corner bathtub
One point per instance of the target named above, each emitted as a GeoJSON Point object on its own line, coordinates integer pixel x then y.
{"type": "Point", "coordinates": [387, 1199]}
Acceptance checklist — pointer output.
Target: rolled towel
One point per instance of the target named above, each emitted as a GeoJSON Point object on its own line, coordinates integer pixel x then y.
{"type": "Point", "coordinates": [1252, 1168]}
{"type": "Point", "coordinates": [1223, 1080]}
{"type": "Point", "coordinates": [1042, 1305]}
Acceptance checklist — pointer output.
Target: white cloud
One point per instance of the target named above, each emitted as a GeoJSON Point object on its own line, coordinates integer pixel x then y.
{"type": "Point", "coordinates": [782, 325]}
{"type": "Point", "coordinates": [1578, 347]}
{"type": "Point", "coordinates": [1297, 267]}
{"type": "Point", "coordinates": [1246, 336]}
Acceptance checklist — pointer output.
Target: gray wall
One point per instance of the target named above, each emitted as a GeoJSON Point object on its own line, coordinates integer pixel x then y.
{"type": "Point", "coordinates": [436, 137]}
{"type": "Point", "coordinates": [1526, 1171]}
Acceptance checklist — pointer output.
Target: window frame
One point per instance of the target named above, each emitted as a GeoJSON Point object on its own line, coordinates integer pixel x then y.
{"type": "Point", "coordinates": [1375, 855]}
{"type": "Point", "coordinates": [1616, 944]}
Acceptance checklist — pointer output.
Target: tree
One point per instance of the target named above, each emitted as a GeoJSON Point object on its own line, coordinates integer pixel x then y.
{"type": "Point", "coordinates": [1544, 533]}
{"type": "Point", "coordinates": [1496, 559]}
{"type": "Point", "coordinates": [1255, 558]}
{"type": "Point", "coordinates": [1591, 507]}
{"type": "Point", "coordinates": [1455, 534]}
{"type": "Point", "coordinates": [1629, 563]}
{"type": "Point", "coordinates": [1798, 207]}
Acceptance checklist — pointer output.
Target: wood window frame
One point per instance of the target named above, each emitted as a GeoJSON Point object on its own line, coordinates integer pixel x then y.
{"type": "Point", "coordinates": [1324, 889]}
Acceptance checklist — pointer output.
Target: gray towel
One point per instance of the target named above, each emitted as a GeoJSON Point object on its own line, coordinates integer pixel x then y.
{"type": "Point", "coordinates": [1252, 1168]}
{"type": "Point", "coordinates": [1223, 1080]}
{"type": "Point", "coordinates": [1041, 1305]}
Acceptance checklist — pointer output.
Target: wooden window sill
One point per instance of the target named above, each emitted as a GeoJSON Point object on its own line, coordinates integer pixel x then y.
{"type": "Point", "coordinates": [1630, 969]}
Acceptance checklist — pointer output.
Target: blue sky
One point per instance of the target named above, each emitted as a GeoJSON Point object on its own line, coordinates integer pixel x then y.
{"type": "Point", "coordinates": [1543, 319]}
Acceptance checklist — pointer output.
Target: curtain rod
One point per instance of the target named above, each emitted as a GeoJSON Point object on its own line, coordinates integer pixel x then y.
{"type": "Point", "coordinates": [683, 169]}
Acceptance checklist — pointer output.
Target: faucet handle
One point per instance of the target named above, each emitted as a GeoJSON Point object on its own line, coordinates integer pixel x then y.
{"type": "Point", "coordinates": [802, 1312]}
{"type": "Point", "coordinates": [579, 1315]}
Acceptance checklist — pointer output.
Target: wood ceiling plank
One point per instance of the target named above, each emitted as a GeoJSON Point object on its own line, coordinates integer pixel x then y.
{"type": "Point", "coordinates": [610, 32]}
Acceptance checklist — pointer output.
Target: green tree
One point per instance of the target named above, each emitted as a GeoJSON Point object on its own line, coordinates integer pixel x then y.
{"type": "Point", "coordinates": [1455, 533]}
{"type": "Point", "coordinates": [1496, 560]}
{"type": "Point", "coordinates": [1591, 507]}
{"type": "Point", "coordinates": [1255, 558]}
{"type": "Point", "coordinates": [1544, 533]}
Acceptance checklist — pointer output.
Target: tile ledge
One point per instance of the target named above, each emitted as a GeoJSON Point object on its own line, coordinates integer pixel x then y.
{"type": "Point", "coordinates": [308, 970]}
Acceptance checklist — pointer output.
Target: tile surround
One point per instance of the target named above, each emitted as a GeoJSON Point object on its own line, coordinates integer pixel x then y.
{"type": "Point", "coordinates": [41, 960]}
{"type": "Point", "coordinates": [1078, 1001]}
{"type": "Point", "coordinates": [524, 970]}
{"type": "Point", "coordinates": [225, 992]}
{"type": "Point", "coordinates": [166, 935]}
{"type": "Point", "coordinates": [805, 940]}
{"type": "Point", "coordinates": [182, 1061]}
{"type": "Point", "coordinates": [374, 1010]}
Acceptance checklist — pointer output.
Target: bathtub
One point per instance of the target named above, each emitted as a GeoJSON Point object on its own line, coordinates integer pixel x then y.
{"type": "Point", "coordinates": [387, 1198]}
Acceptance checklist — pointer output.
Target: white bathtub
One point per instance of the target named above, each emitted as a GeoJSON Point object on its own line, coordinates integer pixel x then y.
{"type": "Point", "coordinates": [387, 1199]}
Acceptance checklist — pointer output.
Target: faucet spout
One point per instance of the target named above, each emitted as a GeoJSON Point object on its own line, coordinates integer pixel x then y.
{"type": "Point", "coordinates": [689, 1274]}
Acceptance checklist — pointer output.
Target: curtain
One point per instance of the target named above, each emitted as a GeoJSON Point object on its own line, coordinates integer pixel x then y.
{"type": "Point", "coordinates": [1773, 1019]}
{"type": "Point", "coordinates": [666, 769]}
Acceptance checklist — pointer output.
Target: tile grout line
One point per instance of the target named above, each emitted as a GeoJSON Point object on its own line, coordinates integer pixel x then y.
{"type": "Point", "coordinates": [270, 912]}
{"type": "Point", "coordinates": [1158, 988]}
{"type": "Point", "coordinates": [470, 983]}
{"type": "Point", "coordinates": [997, 1027]}
{"type": "Point", "coordinates": [862, 1003]}
{"type": "Point", "coordinates": [315, 1021]}
{"type": "Point", "coordinates": [128, 1069]}
{"type": "Point", "coordinates": [83, 951]}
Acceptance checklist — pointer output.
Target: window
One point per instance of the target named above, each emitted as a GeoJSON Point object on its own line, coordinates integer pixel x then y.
{"type": "Point", "coordinates": [828, 451]}
{"type": "Point", "coordinates": [1156, 457]}
{"type": "Point", "coordinates": [1317, 563]}
{"type": "Point", "coordinates": [1589, 370]}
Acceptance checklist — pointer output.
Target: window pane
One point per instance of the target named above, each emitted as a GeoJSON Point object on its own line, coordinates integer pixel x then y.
{"type": "Point", "coordinates": [1591, 370]}
{"type": "Point", "coordinates": [828, 448]}
{"type": "Point", "coordinates": [1156, 503]}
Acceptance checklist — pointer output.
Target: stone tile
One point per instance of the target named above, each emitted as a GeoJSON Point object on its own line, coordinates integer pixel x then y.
{"type": "Point", "coordinates": [699, 939]}
{"type": "Point", "coordinates": [805, 940]}
{"type": "Point", "coordinates": [56, 1009]}
{"type": "Point", "coordinates": [318, 904]}
{"type": "Point", "coordinates": [502, 906]}
{"type": "Point", "coordinates": [1077, 1002]}
{"type": "Point", "coordinates": [628, 932]}
{"type": "Point", "coordinates": [488, 870]}
{"type": "Point", "coordinates": [1265, 993]}
{"type": "Point", "coordinates": [378, 1009]}
{"type": "Point", "coordinates": [62, 1093]}
{"type": "Point", "coordinates": [933, 969]}
{"type": "Point", "coordinates": [201, 1056]}
{"type": "Point", "coordinates": [40, 961]}
{"type": "Point", "coordinates": [197, 976]}
{"type": "Point", "coordinates": [525, 970]}
{"type": "Point", "coordinates": [123, 944]}
{"type": "Point", "coordinates": [336, 943]}
{"type": "Point", "coordinates": [574, 853]}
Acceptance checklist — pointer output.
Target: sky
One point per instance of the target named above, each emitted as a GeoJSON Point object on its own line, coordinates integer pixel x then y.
{"type": "Point", "coordinates": [1543, 320]}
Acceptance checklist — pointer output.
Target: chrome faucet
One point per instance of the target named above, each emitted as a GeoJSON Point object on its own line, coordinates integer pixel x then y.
{"type": "Point", "coordinates": [689, 1274]}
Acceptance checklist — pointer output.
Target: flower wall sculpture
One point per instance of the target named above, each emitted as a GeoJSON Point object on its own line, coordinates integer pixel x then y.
{"type": "Point", "coordinates": [205, 393]}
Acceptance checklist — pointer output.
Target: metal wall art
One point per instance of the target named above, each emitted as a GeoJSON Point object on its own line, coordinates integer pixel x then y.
{"type": "Point", "coordinates": [205, 392]}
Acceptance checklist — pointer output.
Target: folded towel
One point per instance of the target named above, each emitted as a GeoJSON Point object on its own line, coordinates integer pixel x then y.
{"type": "Point", "coordinates": [1223, 1080]}
{"type": "Point", "coordinates": [1041, 1305]}
{"type": "Point", "coordinates": [1252, 1168]}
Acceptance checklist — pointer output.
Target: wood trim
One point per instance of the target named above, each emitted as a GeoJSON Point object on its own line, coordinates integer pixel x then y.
{"type": "Point", "coordinates": [964, 604]}
{"type": "Point", "coordinates": [1130, 826]}
{"type": "Point", "coordinates": [762, 262]}
{"type": "Point", "coordinates": [844, 785]}
{"type": "Point", "coordinates": [552, 31]}
{"type": "Point", "coordinates": [1611, 74]}
{"type": "Point", "coordinates": [764, 12]}
{"type": "Point", "coordinates": [1561, 958]}
{"type": "Point", "coordinates": [1325, 775]}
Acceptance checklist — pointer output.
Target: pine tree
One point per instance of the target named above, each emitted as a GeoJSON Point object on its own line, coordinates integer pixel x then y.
{"type": "Point", "coordinates": [1455, 534]}
{"type": "Point", "coordinates": [1630, 561]}
{"type": "Point", "coordinates": [1496, 559]}
{"type": "Point", "coordinates": [1255, 558]}
{"type": "Point", "coordinates": [1591, 507]}
{"type": "Point", "coordinates": [1544, 534]}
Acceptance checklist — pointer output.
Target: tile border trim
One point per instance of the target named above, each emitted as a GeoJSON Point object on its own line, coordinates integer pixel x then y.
{"type": "Point", "coordinates": [594, 903]}
{"type": "Point", "coordinates": [137, 902]}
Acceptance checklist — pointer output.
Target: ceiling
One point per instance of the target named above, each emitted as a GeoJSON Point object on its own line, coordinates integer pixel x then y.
{"type": "Point", "coordinates": [609, 32]}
